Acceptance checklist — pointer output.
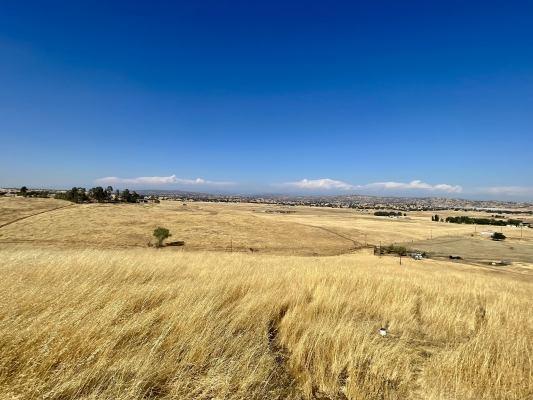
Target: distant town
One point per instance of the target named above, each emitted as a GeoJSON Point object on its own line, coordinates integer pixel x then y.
{"type": "Point", "coordinates": [362, 202]}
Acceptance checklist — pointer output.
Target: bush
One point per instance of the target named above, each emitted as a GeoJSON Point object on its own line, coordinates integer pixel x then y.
{"type": "Point", "coordinates": [498, 236]}
{"type": "Point", "coordinates": [391, 249]}
{"type": "Point", "coordinates": [161, 234]}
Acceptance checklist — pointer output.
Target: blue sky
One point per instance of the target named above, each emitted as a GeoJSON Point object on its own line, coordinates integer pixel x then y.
{"type": "Point", "coordinates": [424, 98]}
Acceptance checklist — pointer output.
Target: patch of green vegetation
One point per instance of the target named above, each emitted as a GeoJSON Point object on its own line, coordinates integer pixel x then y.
{"type": "Point", "coordinates": [463, 219]}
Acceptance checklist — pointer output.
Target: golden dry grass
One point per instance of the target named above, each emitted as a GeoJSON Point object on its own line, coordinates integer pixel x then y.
{"type": "Point", "coordinates": [12, 208]}
{"type": "Point", "coordinates": [143, 323]}
{"type": "Point", "coordinates": [212, 226]}
{"type": "Point", "coordinates": [201, 226]}
{"type": "Point", "coordinates": [88, 311]}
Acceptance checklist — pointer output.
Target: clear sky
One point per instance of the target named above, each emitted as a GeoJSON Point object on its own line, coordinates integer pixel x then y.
{"type": "Point", "coordinates": [384, 97]}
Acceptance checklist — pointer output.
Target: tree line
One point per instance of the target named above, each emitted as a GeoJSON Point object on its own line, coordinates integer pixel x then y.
{"type": "Point", "coordinates": [98, 194]}
{"type": "Point", "coordinates": [463, 219]}
{"type": "Point", "coordinates": [24, 191]}
{"type": "Point", "coordinates": [388, 214]}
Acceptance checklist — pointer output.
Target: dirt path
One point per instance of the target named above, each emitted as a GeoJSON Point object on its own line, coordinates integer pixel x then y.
{"type": "Point", "coordinates": [355, 244]}
{"type": "Point", "coordinates": [33, 215]}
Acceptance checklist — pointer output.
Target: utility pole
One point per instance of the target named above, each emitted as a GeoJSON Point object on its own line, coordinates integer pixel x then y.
{"type": "Point", "coordinates": [231, 245]}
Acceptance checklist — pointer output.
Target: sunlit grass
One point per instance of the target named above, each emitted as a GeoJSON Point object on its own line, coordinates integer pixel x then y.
{"type": "Point", "coordinates": [131, 324]}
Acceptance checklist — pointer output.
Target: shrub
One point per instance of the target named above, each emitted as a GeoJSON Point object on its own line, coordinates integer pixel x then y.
{"type": "Point", "coordinates": [498, 236]}
{"type": "Point", "coordinates": [161, 234]}
{"type": "Point", "coordinates": [391, 249]}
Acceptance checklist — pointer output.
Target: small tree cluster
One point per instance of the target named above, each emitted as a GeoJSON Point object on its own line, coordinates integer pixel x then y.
{"type": "Point", "coordinates": [76, 195]}
{"type": "Point", "coordinates": [98, 194]}
{"type": "Point", "coordinates": [129, 197]}
{"type": "Point", "coordinates": [463, 219]}
{"type": "Point", "coordinates": [388, 214]}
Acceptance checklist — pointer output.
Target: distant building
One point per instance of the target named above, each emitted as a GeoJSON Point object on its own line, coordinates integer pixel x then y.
{"type": "Point", "coordinates": [148, 200]}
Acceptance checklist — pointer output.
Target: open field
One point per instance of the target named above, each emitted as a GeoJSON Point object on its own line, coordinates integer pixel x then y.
{"type": "Point", "coordinates": [236, 227]}
{"type": "Point", "coordinates": [89, 311]}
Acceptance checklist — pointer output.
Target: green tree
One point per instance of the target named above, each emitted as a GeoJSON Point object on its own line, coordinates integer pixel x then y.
{"type": "Point", "coordinates": [129, 197]}
{"type": "Point", "coordinates": [98, 194]}
{"type": "Point", "coordinates": [108, 193]}
{"type": "Point", "coordinates": [23, 190]}
{"type": "Point", "coordinates": [126, 196]}
{"type": "Point", "coordinates": [161, 234]}
{"type": "Point", "coordinates": [76, 195]}
{"type": "Point", "coordinates": [134, 197]}
{"type": "Point", "coordinates": [81, 194]}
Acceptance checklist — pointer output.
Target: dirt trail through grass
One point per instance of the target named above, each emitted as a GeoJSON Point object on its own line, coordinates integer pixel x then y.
{"type": "Point", "coordinates": [32, 215]}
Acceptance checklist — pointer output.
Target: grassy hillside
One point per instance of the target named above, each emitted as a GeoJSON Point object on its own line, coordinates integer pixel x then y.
{"type": "Point", "coordinates": [143, 323]}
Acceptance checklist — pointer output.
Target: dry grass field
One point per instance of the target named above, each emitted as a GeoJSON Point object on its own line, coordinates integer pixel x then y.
{"type": "Point", "coordinates": [14, 208]}
{"type": "Point", "coordinates": [88, 311]}
{"type": "Point", "coordinates": [222, 226]}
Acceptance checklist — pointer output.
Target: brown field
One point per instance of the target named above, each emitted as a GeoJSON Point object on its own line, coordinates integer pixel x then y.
{"type": "Point", "coordinates": [89, 311]}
